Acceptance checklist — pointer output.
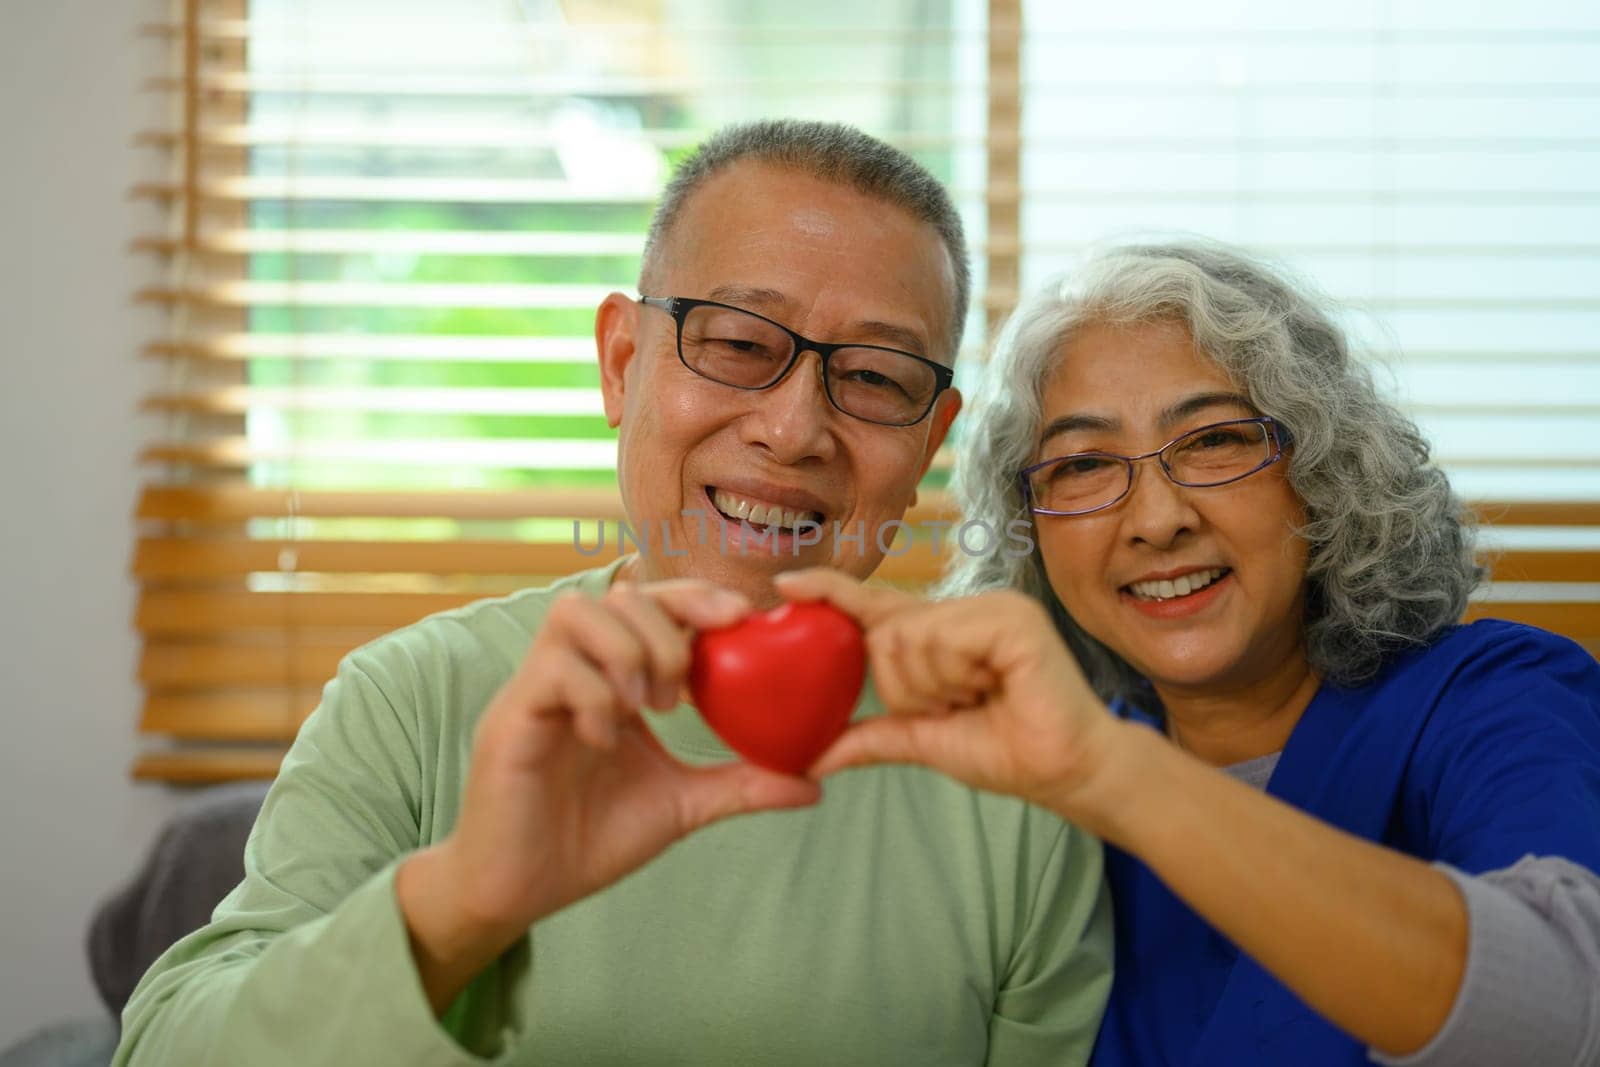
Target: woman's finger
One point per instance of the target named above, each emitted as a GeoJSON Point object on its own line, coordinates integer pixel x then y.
{"type": "Point", "coordinates": [960, 673]}
{"type": "Point", "coordinates": [927, 671]}
{"type": "Point", "coordinates": [887, 666]}
{"type": "Point", "coordinates": [916, 651]}
{"type": "Point", "coordinates": [953, 744]}
{"type": "Point", "coordinates": [869, 605]}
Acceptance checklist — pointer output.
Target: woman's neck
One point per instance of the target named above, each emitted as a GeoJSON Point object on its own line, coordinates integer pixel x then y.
{"type": "Point", "coordinates": [1224, 727]}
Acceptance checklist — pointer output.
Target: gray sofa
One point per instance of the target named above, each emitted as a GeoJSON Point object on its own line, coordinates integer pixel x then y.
{"type": "Point", "coordinates": [194, 862]}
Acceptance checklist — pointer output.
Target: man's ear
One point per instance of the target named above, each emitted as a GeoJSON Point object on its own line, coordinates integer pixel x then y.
{"type": "Point", "coordinates": [616, 322]}
{"type": "Point", "coordinates": [944, 412]}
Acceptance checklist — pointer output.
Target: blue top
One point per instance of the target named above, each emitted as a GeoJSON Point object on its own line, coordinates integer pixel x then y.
{"type": "Point", "coordinates": [1474, 751]}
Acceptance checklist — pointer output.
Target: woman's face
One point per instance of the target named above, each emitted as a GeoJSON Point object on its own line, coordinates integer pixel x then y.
{"type": "Point", "coordinates": [1129, 391]}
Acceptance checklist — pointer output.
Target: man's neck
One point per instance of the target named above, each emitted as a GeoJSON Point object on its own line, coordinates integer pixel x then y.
{"type": "Point", "coordinates": [1224, 728]}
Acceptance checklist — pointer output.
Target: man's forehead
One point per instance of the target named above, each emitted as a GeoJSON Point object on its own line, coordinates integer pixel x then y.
{"type": "Point", "coordinates": [813, 223]}
{"type": "Point", "coordinates": [749, 237]}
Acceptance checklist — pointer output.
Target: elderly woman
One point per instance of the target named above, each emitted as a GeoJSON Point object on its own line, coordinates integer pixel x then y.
{"type": "Point", "coordinates": [1340, 823]}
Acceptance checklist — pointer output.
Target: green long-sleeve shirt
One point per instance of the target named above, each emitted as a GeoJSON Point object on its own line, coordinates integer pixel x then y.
{"type": "Point", "coordinates": [904, 919]}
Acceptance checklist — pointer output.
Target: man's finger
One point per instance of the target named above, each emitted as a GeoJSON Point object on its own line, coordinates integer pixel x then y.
{"type": "Point", "coordinates": [714, 793]}
{"type": "Point", "coordinates": [697, 604]}
{"type": "Point", "coordinates": [867, 604]}
{"type": "Point", "coordinates": [665, 643]}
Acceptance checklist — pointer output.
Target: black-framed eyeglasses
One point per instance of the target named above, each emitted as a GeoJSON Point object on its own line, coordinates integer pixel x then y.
{"type": "Point", "coordinates": [1212, 455]}
{"type": "Point", "coordinates": [732, 346]}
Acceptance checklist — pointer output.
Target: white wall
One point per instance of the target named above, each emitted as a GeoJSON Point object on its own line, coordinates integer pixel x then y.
{"type": "Point", "coordinates": [72, 825]}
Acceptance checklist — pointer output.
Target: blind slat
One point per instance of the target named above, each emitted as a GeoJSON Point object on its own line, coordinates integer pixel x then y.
{"type": "Point", "coordinates": [417, 242]}
{"type": "Point", "coordinates": [387, 399]}
{"type": "Point", "coordinates": [168, 612]}
{"type": "Point", "coordinates": [1575, 619]}
{"type": "Point", "coordinates": [384, 295]}
{"type": "Point", "coordinates": [422, 84]}
{"type": "Point", "coordinates": [197, 767]}
{"type": "Point", "coordinates": [429, 347]}
{"type": "Point", "coordinates": [192, 559]}
{"type": "Point", "coordinates": [1170, 33]}
{"type": "Point", "coordinates": [523, 191]}
{"type": "Point", "coordinates": [225, 84]}
{"type": "Point", "coordinates": [236, 503]}
{"type": "Point", "coordinates": [401, 190]}
{"type": "Point", "coordinates": [226, 453]}
{"type": "Point", "coordinates": [403, 132]}
{"type": "Point", "coordinates": [270, 716]}
{"type": "Point", "coordinates": [407, 295]}
{"type": "Point", "coordinates": [411, 134]}
{"type": "Point", "coordinates": [808, 32]}
{"type": "Point", "coordinates": [466, 243]}
{"type": "Point", "coordinates": [293, 660]}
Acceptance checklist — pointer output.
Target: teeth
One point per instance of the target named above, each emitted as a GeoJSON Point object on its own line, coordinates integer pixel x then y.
{"type": "Point", "coordinates": [761, 514]}
{"type": "Point", "coordinates": [1182, 586]}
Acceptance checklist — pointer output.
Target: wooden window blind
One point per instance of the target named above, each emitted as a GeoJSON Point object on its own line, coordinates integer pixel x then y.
{"type": "Point", "coordinates": [1431, 164]}
{"type": "Point", "coordinates": [389, 227]}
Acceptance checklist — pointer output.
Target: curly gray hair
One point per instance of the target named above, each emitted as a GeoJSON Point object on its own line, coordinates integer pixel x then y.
{"type": "Point", "coordinates": [1391, 552]}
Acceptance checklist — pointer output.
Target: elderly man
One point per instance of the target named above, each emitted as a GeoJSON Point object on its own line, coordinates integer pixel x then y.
{"type": "Point", "coordinates": [466, 855]}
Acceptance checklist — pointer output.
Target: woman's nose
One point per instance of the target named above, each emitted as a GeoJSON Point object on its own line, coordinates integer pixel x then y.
{"type": "Point", "coordinates": [1158, 510]}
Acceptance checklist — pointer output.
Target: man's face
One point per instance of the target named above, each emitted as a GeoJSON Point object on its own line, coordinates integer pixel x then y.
{"type": "Point", "coordinates": [832, 264]}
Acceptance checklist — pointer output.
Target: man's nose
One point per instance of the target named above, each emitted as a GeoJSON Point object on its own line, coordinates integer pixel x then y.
{"type": "Point", "coordinates": [1158, 511]}
{"type": "Point", "coordinates": [793, 419]}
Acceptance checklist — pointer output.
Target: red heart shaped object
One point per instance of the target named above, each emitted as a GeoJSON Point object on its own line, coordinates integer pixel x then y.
{"type": "Point", "coordinates": [779, 687]}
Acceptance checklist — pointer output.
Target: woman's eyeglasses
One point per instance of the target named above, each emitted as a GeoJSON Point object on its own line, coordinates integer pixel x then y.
{"type": "Point", "coordinates": [1085, 482]}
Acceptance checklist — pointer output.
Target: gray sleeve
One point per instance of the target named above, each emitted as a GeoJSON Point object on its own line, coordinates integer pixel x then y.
{"type": "Point", "coordinates": [1531, 991]}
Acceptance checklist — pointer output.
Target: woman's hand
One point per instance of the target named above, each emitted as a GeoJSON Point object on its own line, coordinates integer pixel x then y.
{"type": "Point", "coordinates": [980, 688]}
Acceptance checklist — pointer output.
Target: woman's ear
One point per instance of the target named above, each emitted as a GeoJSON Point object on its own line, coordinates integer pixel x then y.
{"type": "Point", "coordinates": [615, 324]}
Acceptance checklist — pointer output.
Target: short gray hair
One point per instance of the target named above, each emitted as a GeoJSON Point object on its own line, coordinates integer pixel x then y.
{"type": "Point", "coordinates": [831, 152]}
{"type": "Point", "coordinates": [1391, 547]}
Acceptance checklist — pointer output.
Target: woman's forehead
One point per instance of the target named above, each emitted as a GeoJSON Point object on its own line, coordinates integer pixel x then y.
{"type": "Point", "coordinates": [1130, 373]}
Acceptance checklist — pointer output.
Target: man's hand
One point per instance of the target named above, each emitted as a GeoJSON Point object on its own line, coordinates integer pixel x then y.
{"type": "Point", "coordinates": [568, 791]}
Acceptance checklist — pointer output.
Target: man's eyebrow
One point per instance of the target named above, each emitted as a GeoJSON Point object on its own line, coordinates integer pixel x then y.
{"type": "Point", "coordinates": [772, 303]}
{"type": "Point", "coordinates": [766, 299]}
{"type": "Point", "coordinates": [891, 335]}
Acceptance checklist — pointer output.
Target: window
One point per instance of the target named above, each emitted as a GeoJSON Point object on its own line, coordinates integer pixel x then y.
{"type": "Point", "coordinates": [391, 223]}
{"type": "Point", "coordinates": [1431, 164]}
